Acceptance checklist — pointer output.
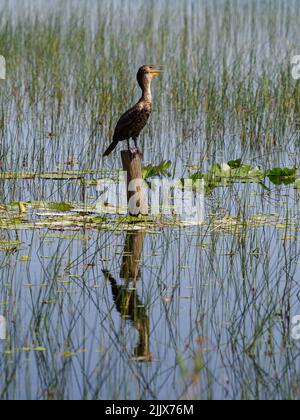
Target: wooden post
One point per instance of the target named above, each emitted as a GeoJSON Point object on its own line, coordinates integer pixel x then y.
{"type": "Point", "coordinates": [137, 196]}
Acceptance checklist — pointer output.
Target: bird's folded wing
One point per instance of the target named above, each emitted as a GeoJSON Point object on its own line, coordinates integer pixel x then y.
{"type": "Point", "coordinates": [127, 121]}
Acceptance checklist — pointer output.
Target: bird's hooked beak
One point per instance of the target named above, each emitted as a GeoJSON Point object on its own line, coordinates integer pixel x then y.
{"type": "Point", "coordinates": [155, 70]}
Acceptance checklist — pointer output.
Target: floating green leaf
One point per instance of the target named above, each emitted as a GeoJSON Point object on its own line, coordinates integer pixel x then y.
{"type": "Point", "coordinates": [235, 164]}
{"type": "Point", "coordinates": [282, 176]}
{"type": "Point", "coordinates": [152, 171]}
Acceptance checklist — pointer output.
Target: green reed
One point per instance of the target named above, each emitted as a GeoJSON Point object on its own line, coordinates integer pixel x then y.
{"type": "Point", "coordinates": [71, 73]}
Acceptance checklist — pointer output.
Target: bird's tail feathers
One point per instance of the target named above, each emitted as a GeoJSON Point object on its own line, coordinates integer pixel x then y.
{"type": "Point", "coordinates": [111, 148]}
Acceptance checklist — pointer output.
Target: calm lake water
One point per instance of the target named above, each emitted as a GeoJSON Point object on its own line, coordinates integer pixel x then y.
{"type": "Point", "coordinates": [112, 309]}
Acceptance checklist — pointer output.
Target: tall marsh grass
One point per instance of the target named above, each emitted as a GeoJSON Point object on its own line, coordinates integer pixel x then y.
{"type": "Point", "coordinates": [227, 85]}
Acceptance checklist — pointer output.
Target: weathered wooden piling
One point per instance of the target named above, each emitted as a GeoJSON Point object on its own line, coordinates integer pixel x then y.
{"type": "Point", "coordinates": [137, 196]}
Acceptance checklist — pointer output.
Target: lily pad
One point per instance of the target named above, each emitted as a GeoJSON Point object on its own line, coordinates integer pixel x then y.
{"type": "Point", "coordinates": [282, 176]}
{"type": "Point", "coordinates": [152, 171]}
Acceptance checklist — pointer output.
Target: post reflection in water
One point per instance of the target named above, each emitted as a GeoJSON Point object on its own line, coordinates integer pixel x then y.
{"type": "Point", "coordinates": [126, 297]}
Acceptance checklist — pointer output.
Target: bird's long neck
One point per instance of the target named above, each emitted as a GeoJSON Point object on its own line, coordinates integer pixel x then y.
{"type": "Point", "coordinates": [146, 89]}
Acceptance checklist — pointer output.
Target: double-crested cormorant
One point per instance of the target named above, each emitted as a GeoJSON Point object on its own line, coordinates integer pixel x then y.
{"type": "Point", "coordinates": [134, 121]}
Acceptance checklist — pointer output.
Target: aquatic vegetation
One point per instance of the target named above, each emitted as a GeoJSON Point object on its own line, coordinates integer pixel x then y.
{"type": "Point", "coordinates": [236, 171]}
{"type": "Point", "coordinates": [153, 171]}
{"type": "Point", "coordinates": [284, 176]}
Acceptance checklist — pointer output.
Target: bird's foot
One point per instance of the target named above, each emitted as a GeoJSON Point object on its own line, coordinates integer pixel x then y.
{"type": "Point", "coordinates": [135, 151]}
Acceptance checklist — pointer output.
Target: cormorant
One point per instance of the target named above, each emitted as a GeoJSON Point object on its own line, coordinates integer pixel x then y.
{"type": "Point", "coordinates": [135, 119]}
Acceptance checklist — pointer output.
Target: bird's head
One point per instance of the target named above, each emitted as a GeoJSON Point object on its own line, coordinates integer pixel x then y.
{"type": "Point", "coordinates": [146, 74]}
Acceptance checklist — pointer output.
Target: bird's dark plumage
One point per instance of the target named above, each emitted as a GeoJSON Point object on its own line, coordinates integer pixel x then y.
{"type": "Point", "coordinates": [131, 124]}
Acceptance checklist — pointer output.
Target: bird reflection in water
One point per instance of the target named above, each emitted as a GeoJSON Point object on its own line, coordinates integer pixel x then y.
{"type": "Point", "coordinates": [126, 297]}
